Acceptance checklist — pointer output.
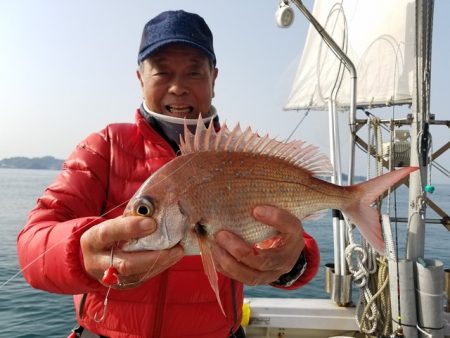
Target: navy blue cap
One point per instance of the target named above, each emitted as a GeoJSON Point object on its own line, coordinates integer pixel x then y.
{"type": "Point", "coordinates": [176, 27]}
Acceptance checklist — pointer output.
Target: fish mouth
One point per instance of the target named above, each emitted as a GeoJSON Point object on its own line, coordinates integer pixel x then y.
{"type": "Point", "coordinates": [180, 110]}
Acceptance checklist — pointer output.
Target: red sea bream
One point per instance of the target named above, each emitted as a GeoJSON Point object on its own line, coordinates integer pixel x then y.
{"type": "Point", "coordinates": [221, 176]}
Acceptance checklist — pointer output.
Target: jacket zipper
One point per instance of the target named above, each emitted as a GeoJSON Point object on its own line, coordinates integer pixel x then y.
{"type": "Point", "coordinates": [234, 304]}
{"type": "Point", "coordinates": [160, 306]}
{"type": "Point", "coordinates": [81, 305]}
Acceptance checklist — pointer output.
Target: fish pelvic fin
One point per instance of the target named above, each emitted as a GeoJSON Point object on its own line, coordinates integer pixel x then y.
{"type": "Point", "coordinates": [360, 212]}
{"type": "Point", "coordinates": [208, 264]}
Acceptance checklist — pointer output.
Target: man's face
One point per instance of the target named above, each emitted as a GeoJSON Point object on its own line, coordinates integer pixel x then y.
{"type": "Point", "coordinates": [178, 81]}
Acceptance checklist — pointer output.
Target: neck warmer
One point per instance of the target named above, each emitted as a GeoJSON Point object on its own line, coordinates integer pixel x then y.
{"type": "Point", "coordinates": [172, 128]}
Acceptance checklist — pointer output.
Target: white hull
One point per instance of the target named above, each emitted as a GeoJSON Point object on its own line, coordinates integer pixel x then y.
{"type": "Point", "coordinates": [281, 317]}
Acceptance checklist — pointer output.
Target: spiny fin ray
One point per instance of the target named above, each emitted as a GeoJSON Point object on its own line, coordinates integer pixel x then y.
{"type": "Point", "coordinates": [298, 153]}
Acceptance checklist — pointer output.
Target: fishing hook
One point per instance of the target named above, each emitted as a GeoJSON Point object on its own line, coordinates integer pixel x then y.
{"type": "Point", "coordinates": [105, 302]}
{"type": "Point", "coordinates": [119, 284]}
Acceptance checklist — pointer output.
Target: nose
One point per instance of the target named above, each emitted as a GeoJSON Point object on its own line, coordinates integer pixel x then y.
{"type": "Point", "coordinates": [178, 86]}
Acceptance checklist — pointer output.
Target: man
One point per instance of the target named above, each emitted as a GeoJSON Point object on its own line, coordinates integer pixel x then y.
{"type": "Point", "coordinates": [78, 219]}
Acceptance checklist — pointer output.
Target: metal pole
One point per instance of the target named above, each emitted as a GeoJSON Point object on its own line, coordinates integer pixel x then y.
{"type": "Point", "coordinates": [353, 80]}
{"type": "Point", "coordinates": [342, 281]}
{"type": "Point", "coordinates": [338, 250]}
{"type": "Point", "coordinates": [419, 132]}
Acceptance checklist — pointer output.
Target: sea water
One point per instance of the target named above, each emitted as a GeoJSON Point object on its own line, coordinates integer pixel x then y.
{"type": "Point", "coordinates": [26, 312]}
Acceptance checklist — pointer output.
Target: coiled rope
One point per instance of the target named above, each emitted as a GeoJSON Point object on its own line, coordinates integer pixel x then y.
{"type": "Point", "coordinates": [369, 271]}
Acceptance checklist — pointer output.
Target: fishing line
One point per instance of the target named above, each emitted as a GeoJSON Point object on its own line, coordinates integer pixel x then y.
{"type": "Point", "coordinates": [58, 243]}
{"type": "Point", "coordinates": [86, 225]}
{"type": "Point", "coordinates": [121, 284]}
{"type": "Point", "coordinates": [298, 125]}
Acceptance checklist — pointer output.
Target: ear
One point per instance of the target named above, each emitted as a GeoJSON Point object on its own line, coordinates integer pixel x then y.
{"type": "Point", "coordinates": [139, 76]}
{"type": "Point", "coordinates": [214, 76]}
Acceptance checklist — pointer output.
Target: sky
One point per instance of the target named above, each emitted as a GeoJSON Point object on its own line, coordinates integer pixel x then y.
{"type": "Point", "coordinates": [67, 69]}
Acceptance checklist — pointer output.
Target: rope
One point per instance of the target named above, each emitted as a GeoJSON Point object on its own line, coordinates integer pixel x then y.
{"type": "Point", "coordinates": [356, 256]}
{"type": "Point", "coordinates": [385, 302]}
{"type": "Point", "coordinates": [373, 310]}
{"type": "Point", "coordinates": [370, 272]}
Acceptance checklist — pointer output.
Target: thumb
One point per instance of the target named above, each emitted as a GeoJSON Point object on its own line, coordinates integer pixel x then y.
{"type": "Point", "coordinates": [280, 219]}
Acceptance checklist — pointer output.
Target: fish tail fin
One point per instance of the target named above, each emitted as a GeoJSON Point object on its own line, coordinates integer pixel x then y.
{"type": "Point", "coordinates": [366, 218]}
{"type": "Point", "coordinates": [210, 268]}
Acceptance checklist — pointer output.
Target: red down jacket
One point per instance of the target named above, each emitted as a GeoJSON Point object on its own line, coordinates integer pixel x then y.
{"type": "Point", "coordinates": [102, 173]}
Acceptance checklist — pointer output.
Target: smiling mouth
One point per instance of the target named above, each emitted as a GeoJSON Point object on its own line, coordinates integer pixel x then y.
{"type": "Point", "coordinates": [180, 111]}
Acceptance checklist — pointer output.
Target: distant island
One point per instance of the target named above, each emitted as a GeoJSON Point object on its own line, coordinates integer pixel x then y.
{"type": "Point", "coordinates": [51, 163]}
{"type": "Point", "coordinates": [46, 163]}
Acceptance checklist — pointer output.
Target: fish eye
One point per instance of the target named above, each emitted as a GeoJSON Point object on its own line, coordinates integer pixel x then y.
{"type": "Point", "coordinates": [144, 207]}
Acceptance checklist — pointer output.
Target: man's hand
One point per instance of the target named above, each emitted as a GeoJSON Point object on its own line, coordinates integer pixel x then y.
{"type": "Point", "coordinates": [133, 268]}
{"type": "Point", "coordinates": [243, 262]}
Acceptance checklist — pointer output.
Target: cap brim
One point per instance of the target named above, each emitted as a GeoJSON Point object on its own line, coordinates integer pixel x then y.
{"type": "Point", "coordinates": [147, 52]}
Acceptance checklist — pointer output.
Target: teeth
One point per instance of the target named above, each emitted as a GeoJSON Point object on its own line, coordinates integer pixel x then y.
{"type": "Point", "coordinates": [179, 109]}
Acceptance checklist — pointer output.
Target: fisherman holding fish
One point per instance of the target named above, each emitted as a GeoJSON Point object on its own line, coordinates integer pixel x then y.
{"type": "Point", "coordinates": [134, 272]}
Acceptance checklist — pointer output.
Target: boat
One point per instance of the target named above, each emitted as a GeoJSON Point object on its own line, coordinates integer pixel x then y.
{"type": "Point", "coordinates": [368, 63]}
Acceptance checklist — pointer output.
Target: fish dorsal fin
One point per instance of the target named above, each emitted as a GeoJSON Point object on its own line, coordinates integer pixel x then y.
{"type": "Point", "coordinates": [296, 152]}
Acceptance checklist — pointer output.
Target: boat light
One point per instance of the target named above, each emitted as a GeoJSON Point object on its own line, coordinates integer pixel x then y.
{"type": "Point", "coordinates": [284, 15]}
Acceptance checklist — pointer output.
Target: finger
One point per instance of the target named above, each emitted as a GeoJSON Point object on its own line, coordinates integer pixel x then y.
{"type": "Point", "coordinates": [241, 251]}
{"type": "Point", "coordinates": [120, 229]}
{"type": "Point", "coordinates": [228, 266]}
{"type": "Point", "coordinates": [137, 267]}
{"type": "Point", "coordinates": [96, 268]}
{"type": "Point", "coordinates": [235, 245]}
{"type": "Point", "coordinates": [130, 263]}
{"type": "Point", "coordinates": [280, 219]}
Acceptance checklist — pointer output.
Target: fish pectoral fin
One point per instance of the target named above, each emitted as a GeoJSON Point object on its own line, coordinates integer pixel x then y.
{"type": "Point", "coordinates": [315, 216]}
{"type": "Point", "coordinates": [209, 267]}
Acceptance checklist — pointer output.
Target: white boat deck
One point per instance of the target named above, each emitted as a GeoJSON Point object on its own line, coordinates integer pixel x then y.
{"type": "Point", "coordinates": [304, 313]}
{"type": "Point", "coordinates": [272, 317]}
{"type": "Point", "coordinates": [281, 317]}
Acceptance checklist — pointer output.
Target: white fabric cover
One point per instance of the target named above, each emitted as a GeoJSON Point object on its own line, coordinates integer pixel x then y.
{"type": "Point", "coordinates": [378, 36]}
